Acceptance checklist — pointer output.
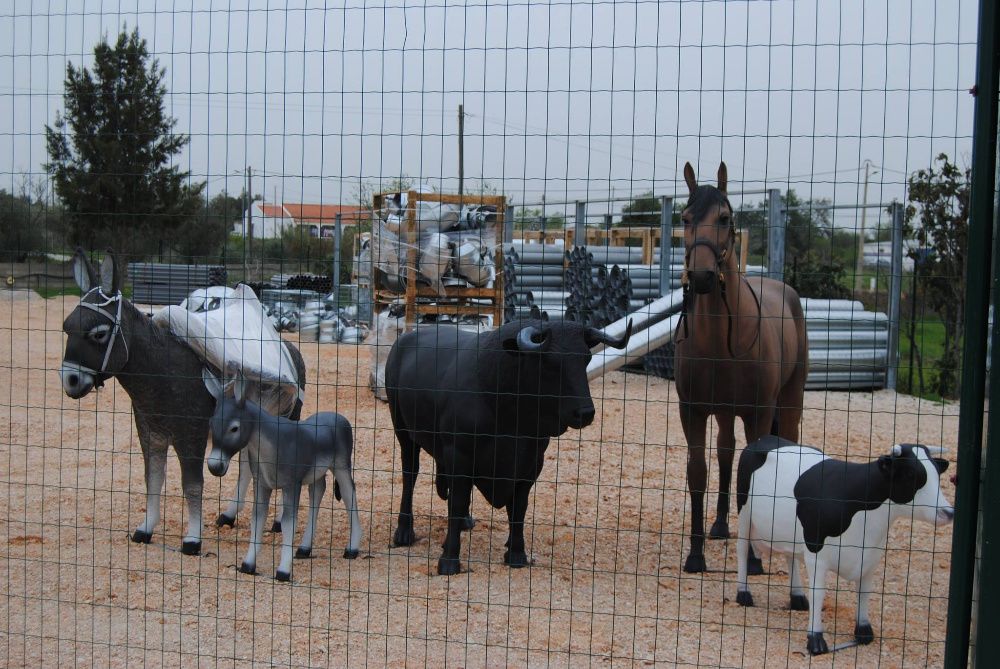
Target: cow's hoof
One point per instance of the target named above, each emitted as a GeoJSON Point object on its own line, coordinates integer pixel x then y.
{"type": "Point", "coordinates": [755, 567]}
{"type": "Point", "coordinates": [516, 559]}
{"type": "Point", "coordinates": [191, 547]}
{"type": "Point", "coordinates": [350, 554]}
{"type": "Point", "coordinates": [720, 530]}
{"type": "Point", "coordinates": [468, 523]}
{"type": "Point", "coordinates": [282, 576]}
{"type": "Point", "coordinates": [303, 553]}
{"type": "Point", "coordinates": [276, 526]}
{"type": "Point", "coordinates": [695, 564]}
{"type": "Point", "coordinates": [404, 536]}
{"type": "Point", "coordinates": [864, 634]}
{"type": "Point", "coordinates": [449, 566]}
{"type": "Point", "coordinates": [816, 644]}
{"type": "Point", "coordinates": [225, 521]}
{"type": "Point", "coordinates": [141, 537]}
{"type": "Point", "coordinates": [744, 598]}
{"type": "Point", "coordinates": [799, 603]}
{"type": "Point", "coordinates": [246, 568]}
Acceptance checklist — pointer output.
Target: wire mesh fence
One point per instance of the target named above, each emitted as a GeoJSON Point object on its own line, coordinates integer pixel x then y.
{"type": "Point", "coordinates": [559, 362]}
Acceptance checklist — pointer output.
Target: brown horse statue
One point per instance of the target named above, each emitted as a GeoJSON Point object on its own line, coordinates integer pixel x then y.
{"type": "Point", "coordinates": [741, 351]}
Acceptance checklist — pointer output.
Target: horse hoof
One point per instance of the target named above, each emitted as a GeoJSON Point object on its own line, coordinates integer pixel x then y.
{"type": "Point", "coordinates": [246, 568]}
{"type": "Point", "coordinates": [695, 564]}
{"type": "Point", "coordinates": [720, 530]}
{"type": "Point", "coordinates": [800, 603]}
{"type": "Point", "coordinates": [744, 598]}
{"type": "Point", "coordinates": [276, 526]}
{"type": "Point", "coordinates": [141, 537]}
{"type": "Point", "coordinates": [303, 553]}
{"type": "Point", "coordinates": [816, 644]}
{"type": "Point", "coordinates": [468, 523]}
{"type": "Point", "coordinates": [755, 567]}
{"type": "Point", "coordinates": [864, 634]}
{"type": "Point", "coordinates": [516, 559]}
{"type": "Point", "coordinates": [350, 554]}
{"type": "Point", "coordinates": [449, 566]}
{"type": "Point", "coordinates": [282, 576]}
{"type": "Point", "coordinates": [404, 536]}
{"type": "Point", "coordinates": [191, 547]}
{"type": "Point", "coordinates": [225, 521]}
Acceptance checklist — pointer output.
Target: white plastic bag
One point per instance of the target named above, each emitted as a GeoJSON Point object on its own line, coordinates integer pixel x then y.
{"type": "Point", "coordinates": [238, 334]}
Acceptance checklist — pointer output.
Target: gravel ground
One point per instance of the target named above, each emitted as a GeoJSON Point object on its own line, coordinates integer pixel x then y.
{"type": "Point", "coordinates": [606, 527]}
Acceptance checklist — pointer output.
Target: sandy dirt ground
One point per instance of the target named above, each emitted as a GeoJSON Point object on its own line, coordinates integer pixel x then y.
{"type": "Point", "coordinates": [606, 528]}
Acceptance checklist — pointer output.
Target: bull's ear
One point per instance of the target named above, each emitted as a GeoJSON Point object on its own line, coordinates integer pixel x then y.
{"type": "Point", "coordinates": [940, 464]}
{"type": "Point", "coordinates": [689, 179]}
{"type": "Point", "coordinates": [723, 176]}
{"type": "Point", "coordinates": [83, 272]}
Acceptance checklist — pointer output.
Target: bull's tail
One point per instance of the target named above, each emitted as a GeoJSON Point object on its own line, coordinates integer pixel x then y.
{"type": "Point", "coordinates": [336, 489]}
{"type": "Point", "coordinates": [774, 424]}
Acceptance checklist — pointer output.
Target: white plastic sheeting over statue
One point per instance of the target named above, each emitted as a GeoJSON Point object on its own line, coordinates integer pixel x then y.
{"type": "Point", "coordinates": [228, 328]}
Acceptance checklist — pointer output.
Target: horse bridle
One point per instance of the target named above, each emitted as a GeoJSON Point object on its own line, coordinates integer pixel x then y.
{"type": "Point", "coordinates": [116, 328]}
{"type": "Point", "coordinates": [721, 255]}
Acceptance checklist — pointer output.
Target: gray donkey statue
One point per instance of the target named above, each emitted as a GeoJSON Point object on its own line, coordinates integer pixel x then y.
{"type": "Point", "coordinates": [284, 454]}
{"type": "Point", "coordinates": [106, 336]}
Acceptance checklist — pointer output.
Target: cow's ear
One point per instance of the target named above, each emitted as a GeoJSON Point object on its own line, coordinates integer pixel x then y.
{"type": "Point", "coordinates": [940, 464]}
{"type": "Point", "coordinates": [885, 464]}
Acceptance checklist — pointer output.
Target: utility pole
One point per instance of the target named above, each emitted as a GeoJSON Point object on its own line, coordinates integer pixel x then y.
{"type": "Point", "coordinates": [461, 148]}
{"type": "Point", "coordinates": [861, 237]}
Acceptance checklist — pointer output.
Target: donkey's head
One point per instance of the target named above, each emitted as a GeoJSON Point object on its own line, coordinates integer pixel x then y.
{"type": "Point", "coordinates": [96, 346]}
{"type": "Point", "coordinates": [233, 422]}
{"type": "Point", "coordinates": [709, 231]}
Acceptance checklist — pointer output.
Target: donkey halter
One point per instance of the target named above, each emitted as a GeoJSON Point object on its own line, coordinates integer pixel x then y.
{"type": "Point", "coordinates": [116, 324]}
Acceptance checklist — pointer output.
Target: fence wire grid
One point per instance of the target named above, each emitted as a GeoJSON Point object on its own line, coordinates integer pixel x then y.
{"type": "Point", "coordinates": [437, 220]}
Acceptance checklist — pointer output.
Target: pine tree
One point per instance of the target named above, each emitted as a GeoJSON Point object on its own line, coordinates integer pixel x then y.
{"type": "Point", "coordinates": [110, 152]}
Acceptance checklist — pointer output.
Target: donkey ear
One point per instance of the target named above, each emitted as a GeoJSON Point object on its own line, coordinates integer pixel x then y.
{"type": "Point", "coordinates": [212, 384]}
{"type": "Point", "coordinates": [689, 179]}
{"type": "Point", "coordinates": [111, 275]}
{"type": "Point", "coordinates": [239, 390]}
{"type": "Point", "coordinates": [83, 272]}
{"type": "Point", "coordinates": [723, 176]}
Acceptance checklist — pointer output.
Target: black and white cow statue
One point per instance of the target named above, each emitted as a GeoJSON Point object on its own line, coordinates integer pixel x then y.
{"type": "Point", "coordinates": [485, 406]}
{"type": "Point", "coordinates": [836, 515]}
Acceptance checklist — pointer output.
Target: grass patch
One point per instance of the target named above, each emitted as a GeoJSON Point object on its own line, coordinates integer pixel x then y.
{"type": "Point", "coordinates": [929, 336]}
{"type": "Point", "coordinates": [56, 291]}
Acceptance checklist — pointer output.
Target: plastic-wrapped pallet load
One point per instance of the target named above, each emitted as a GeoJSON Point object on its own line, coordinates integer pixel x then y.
{"type": "Point", "coordinates": [238, 333]}
{"type": "Point", "coordinates": [453, 242]}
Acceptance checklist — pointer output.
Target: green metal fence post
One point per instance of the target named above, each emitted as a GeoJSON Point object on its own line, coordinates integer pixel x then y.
{"type": "Point", "coordinates": [970, 422]}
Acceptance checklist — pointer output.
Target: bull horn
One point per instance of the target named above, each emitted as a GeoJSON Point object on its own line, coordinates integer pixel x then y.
{"type": "Point", "coordinates": [936, 451]}
{"type": "Point", "coordinates": [526, 342]}
{"type": "Point", "coordinates": [594, 337]}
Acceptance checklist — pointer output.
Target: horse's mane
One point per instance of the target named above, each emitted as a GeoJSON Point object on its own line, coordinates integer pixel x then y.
{"type": "Point", "coordinates": [704, 199]}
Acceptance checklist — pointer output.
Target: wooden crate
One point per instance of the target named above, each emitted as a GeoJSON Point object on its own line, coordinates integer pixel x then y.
{"type": "Point", "coordinates": [418, 299]}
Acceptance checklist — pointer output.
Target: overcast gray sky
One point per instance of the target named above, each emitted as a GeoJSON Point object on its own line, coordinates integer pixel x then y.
{"type": "Point", "coordinates": [569, 99]}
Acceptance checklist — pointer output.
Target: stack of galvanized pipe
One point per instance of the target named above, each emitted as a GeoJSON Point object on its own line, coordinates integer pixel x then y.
{"type": "Point", "coordinates": [534, 276]}
{"type": "Point", "coordinates": [597, 296]}
{"type": "Point", "coordinates": [162, 283]}
{"type": "Point", "coordinates": [848, 346]}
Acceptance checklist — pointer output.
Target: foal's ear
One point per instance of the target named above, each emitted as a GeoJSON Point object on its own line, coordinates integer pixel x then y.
{"type": "Point", "coordinates": [111, 275]}
{"type": "Point", "coordinates": [83, 272]}
{"type": "Point", "coordinates": [239, 390]}
{"type": "Point", "coordinates": [213, 384]}
{"type": "Point", "coordinates": [689, 179]}
{"type": "Point", "coordinates": [723, 176]}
